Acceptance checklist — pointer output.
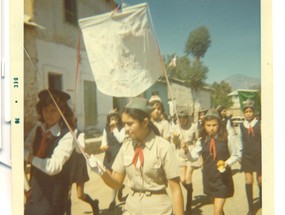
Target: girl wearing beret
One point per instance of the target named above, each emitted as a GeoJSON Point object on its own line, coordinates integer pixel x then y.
{"type": "Point", "coordinates": [213, 145]}
{"type": "Point", "coordinates": [157, 117]}
{"type": "Point", "coordinates": [250, 138]}
{"type": "Point", "coordinates": [148, 161]}
{"type": "Point", "coordinates": [183, 135]}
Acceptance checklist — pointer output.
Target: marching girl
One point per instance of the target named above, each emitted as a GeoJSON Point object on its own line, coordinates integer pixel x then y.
{"type": "Point", "coordinates": [183, 136]}
{"type": "Point", "coordinates": [149, 162]}
{"type": "Point", "coordinates": [250, 138]}
{"type": "Point", "coordinates": [213, 145]}
{"type": "Point", "coordinates": [113, 136]}
{"type": "Point", "coordinates": [226, 120]}
{"type": "Point", "coordinates": [201, 114]}
{"type": "Point", "coordinates": [157, 117]}
{"type": "Point", "coordinates": [48, 147]}
{"type": "Point", "coordinates": [227, 123]}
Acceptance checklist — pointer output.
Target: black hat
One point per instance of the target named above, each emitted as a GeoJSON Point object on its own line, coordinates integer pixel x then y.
{"type": "Point", "coordinates": [58, 95]}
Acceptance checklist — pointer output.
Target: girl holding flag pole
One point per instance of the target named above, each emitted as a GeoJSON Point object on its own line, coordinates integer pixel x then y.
{"type": "Point", "coordinates": [149, 162]}
{"type": "Point", "coordinates": [183, 136]}
{"type": "Point", "coordinates": [48, 148]}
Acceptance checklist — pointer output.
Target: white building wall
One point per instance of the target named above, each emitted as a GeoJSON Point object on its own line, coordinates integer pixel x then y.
{"type": "Point", "coordinates": [183, 97]}
{"type": "Point", "coordinates": [61, 59]}
{"type": "Point", "coordinates": [53, 49]}
{"type": "Point", "coordinates": [105, 105]}
{"type": "Point", "coordinates": [203, 97]}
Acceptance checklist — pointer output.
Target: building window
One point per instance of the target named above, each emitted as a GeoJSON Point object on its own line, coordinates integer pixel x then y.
{"type": "Point", "coordinates": [55, 81]}
{"type": "Point", "coordinates": [70, 12]}
{"type": "Point", "coordinates": [90, 103]}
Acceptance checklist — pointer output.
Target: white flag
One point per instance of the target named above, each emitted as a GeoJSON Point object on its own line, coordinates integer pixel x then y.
{"type": "Point", "coordinates": [122, 51]}
{"type": "Point", "coordinates": [173, 62]}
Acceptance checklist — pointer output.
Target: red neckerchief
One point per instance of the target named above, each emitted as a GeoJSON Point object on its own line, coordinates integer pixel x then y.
{"type": "Point", "coordinates": [41, 152]}
{"type": "Point", "coordinates": [138, 156]}
{"type": "Point", "coordinates": [250, 130]}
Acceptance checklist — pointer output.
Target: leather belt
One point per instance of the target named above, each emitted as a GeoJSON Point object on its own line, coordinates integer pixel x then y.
{"type": "Point", "coordinates": [149, 192]}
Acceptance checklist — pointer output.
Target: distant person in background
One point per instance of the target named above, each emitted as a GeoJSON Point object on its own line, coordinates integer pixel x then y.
{"type": "Point", "coordinates": [227, 123]}
{"type": "Point", "coordinates": [217, 160]}
{"type": "Point", "coordinates": [48, 148]}
{"type": "Point", "coordinates": [226, 120]}
{"type": "Point", "coordinates": [250, 138]}
{"type": "Point", "coordinates": [172, 121]}
{"type": "Point", "coordinates": [113, 136]}
{"type": "Point", "coordinates": [198, 125]}
{"type": "Point", "coordinates": [157, 116]}
{"type": "Point", "coordinates": [183, 137]}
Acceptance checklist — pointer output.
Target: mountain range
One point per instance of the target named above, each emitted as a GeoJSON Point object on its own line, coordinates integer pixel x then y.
{"type": "Point", "coordinates": [239, 81]}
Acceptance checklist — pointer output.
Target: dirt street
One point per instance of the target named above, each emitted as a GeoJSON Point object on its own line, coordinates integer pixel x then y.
{"type": "Point", "coordinates": [237, 205]}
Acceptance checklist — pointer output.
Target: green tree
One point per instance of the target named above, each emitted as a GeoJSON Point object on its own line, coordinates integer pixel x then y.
{"type": "Point", "coordinates": [182, 68]}
{"type": "Point", "coordinates": [198, 42]}
{"type": "Point", "coordinates": [196, 79]}
{"type": "Point", "coordinates": [193, 73]}
{"type": "Point", "coordinates": [197, 76]}
{"type": "Point", "coordinates": [220, 94]}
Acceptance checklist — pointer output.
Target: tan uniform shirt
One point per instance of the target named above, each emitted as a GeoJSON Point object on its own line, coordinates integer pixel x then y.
{"type": "Point", "coordinates": [160, 163]}
{"type": "Point", "coordinates": [188, 135]}
{"type": "Point", "coordinates": [163, 127]}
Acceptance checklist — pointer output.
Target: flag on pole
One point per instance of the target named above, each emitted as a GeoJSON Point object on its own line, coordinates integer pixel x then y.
{"type": "Point", "coordinates": [118, 9]}
{"type": "Point", "coordinates": [173, 62]}
{"type": "Point", "coordinates": [122, 51]}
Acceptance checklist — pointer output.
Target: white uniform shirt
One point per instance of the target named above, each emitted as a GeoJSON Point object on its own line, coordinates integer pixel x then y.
{"type": "Point", "coordinates": [60, 155]}
{"type": "Point", "coordinates": [119, 135]}
{"type": "Point", "coordinates": [235, 155]}
{"type": "Point", "coordinates": [188, 135]}
{"type": "Point", "coordinates": [163, 127]}
{"type": "Point", "coordinates": [246, 124]}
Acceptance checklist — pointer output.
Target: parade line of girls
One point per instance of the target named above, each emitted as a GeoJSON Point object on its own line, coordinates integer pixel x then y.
{"type": "Point", "coordinates": [134, 148]}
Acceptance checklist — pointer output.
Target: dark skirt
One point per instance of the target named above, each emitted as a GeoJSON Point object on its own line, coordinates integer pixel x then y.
{"type": "Point", "coordinates": [49, 195]}
{"type": "Point", "coordinates": [77, 168]}
{"type": "Point", "coordinates": [251, 164]}
{"type": "Point", "coordinates": [216, 184]}
{"type": "Point", "coordinates": [110, 155]}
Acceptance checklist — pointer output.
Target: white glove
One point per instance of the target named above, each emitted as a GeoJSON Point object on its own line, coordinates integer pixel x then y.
{"type": "Point", "coordinates": [96, 165]}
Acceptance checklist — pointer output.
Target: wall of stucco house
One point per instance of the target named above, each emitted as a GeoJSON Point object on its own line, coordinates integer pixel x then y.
{"type": "Point", "coordinates": [52, 44]}
{"type": "Point", "coordinates": [183, 98]}
{"type": "Point", "coordinates": [188, 101]}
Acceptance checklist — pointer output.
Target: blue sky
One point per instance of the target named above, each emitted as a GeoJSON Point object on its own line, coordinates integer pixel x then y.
{"type": "Point", "coordinates": [234, 26]}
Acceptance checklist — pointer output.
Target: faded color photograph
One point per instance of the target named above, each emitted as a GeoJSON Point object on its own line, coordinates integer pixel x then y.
{"type": "Point", "coordinates": [142, 107]}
